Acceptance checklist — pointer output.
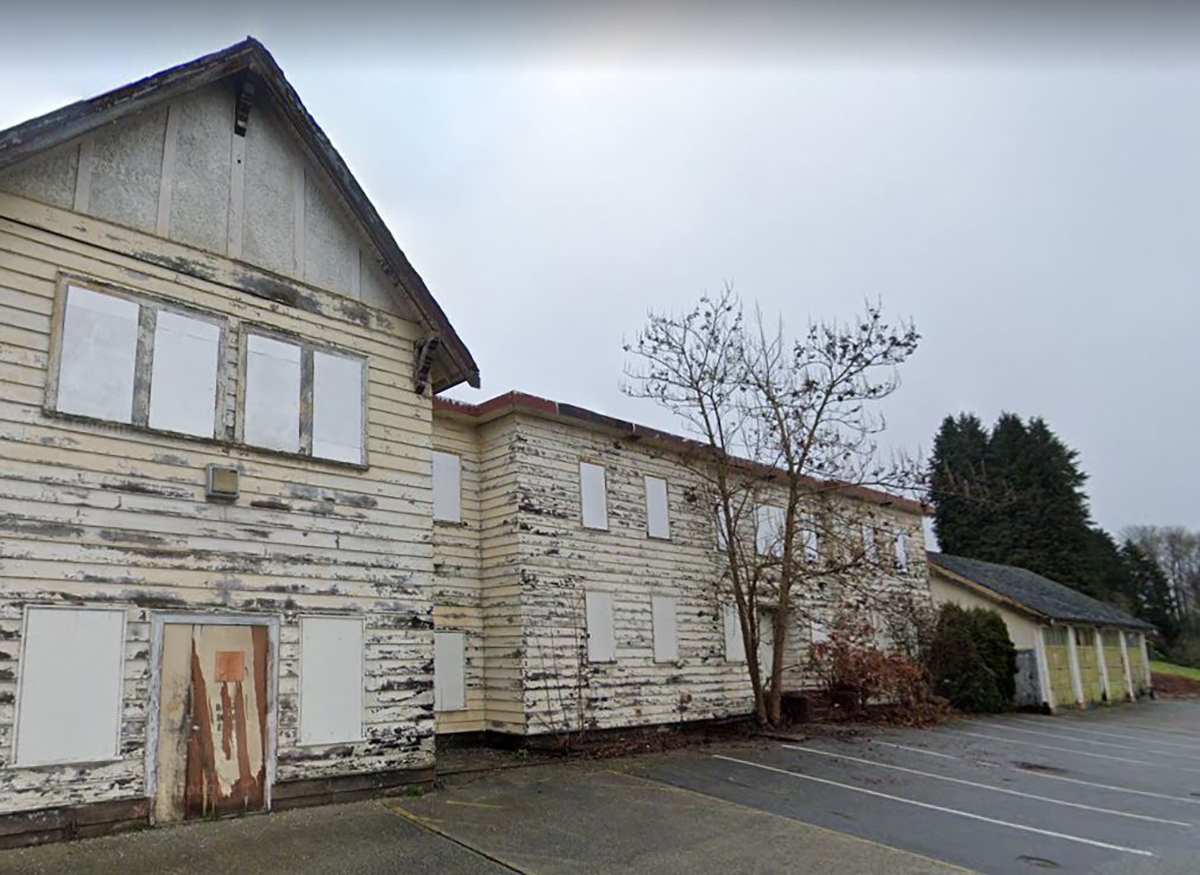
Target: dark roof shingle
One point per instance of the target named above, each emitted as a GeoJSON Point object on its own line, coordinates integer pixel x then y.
{"type": "Point", "coordinates": [1037, 593]}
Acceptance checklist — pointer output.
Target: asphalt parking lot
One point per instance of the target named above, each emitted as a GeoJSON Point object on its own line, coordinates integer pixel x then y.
{"type": "Point", "coordinates": [1114, 790]}
{"type": "Point", "coordinates": [1109, 790]}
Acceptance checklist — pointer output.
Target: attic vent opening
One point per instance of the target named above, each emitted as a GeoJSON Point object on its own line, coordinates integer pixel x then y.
{"type": "Point", "coordinates": [245, 100]}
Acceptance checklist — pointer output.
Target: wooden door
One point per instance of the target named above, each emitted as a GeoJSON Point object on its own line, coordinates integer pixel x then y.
{"type": "Point", "coordinates": [212, 748]}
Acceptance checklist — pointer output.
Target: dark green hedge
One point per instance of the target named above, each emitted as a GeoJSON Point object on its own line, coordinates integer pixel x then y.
{"type": "Point", "coordinates": [972, 661]}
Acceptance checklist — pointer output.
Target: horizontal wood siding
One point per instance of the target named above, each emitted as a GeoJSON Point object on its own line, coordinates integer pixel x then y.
{"type": "Point", "coordinates": [560, 560]}
{"type": "Point", "coordinates": [93, 514]}
{"type": "Point", "coordinates": [457, 596]}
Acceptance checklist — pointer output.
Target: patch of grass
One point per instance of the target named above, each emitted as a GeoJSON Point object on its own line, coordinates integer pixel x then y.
{"type": "Point", "coordinates": [1179, 671]}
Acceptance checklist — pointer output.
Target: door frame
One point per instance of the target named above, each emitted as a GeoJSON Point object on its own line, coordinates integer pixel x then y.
{"type": "Point", "coordinates": [158, 621]}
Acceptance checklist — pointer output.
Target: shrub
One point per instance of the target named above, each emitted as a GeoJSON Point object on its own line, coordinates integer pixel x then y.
{"type": "Point", "coordinates": [874, 683]}
{"type": "Point", "coordinates": [971, 660]}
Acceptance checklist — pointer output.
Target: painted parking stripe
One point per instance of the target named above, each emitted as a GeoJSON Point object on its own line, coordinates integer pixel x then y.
{"type": "Point", "coordinates": [1082, 753]}
{"type": "Point", "coordinates": [1142, 750]}
{"type": "Point", "coordinates": [1176, 733]}
{"type": "Point", "coordinates": [931, 807]}
{"type": "Point", "coordinates": [1042, 774]}
{"type": "Point", "coordinates": [1058, 724]}
{"type": "Point", "coordinates": [1004, 790]}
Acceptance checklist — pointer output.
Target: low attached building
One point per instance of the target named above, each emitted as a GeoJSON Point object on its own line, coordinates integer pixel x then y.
{"type": "Point", "coordinates": [1072, 649]}
{"type": "Point", "coordinates": [577, 568]}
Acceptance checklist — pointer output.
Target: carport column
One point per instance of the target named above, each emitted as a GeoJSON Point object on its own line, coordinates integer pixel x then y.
{"type": "Point", "coordinates": [1145, 658]}
{"type": "Point", "coordinates": [1043, 667]}
{"type": "Point", "coordinates": [1073, 660]}
{"type": "Point", "coordinates": [1130, 691]}
{"type": "Point", "coordinates": [1098, 635]}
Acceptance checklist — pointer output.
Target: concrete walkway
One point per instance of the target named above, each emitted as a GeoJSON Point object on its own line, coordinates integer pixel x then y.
{"type": "Point", "coordinates": [588, 818]}
{"type": "Point", "coordinates": [563, 818]}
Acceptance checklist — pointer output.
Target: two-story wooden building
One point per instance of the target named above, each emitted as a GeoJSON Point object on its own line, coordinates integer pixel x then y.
{"type": "Point", "coordinates": [216, 369]}
{"type": "Point", "coordinates": [232, 510]}
{"type": "Point", "coordinates": [578, 568]}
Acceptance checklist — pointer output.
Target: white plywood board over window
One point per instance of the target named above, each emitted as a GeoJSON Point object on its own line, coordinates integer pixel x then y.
{"type": "Point", "coordinates": [449, 672]}
{"type": "Point", "coordinates": [69, 706]}
{"type": "Point", "coordinates": [735, 642]}
{"type": "Point", "coordinates": [447, 487]}
{"type": "Point", "coordinates": [272, 396]}
{"type": "Point", "coordinates": [183, 384]}
{"type": "Point", "coordinates": [658, 521]}
{"type": "Point", "coordinates": [666, 639]}
{"type": "Point", "coordinates": [98, 355]}
{"type": "Point", "coordinates": [331, 680]}
{"type": "Point", "coordinates": [601, 636]}
{"type": "Point", "coordinates": [769, 534]}
{"type": "Point", "coordinates": [593, 495]}
{"type": "Point", "coordinates": [337, 408]}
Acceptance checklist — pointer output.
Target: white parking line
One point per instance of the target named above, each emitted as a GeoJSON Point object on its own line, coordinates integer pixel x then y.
{"type": "Point", "coordinates": [930, 807]}
{"type": "Point", "coordinates": [1172, 732]}
{"type": "Point", "coordinates": [1143, 750]}
{"type": "Point", "coordinates": [1004, 790]}
{"type": "Point", "coordinates": [1040, 774]}
{"type": "Point", "coordinates": [1052, 723]}
{"type": "Point", "coordinates": [1082, 753]}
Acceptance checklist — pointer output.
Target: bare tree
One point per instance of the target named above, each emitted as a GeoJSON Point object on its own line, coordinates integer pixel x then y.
{"type": "Point", "coordinates": [1177, 552]}
{"type": "Point", "coordinates": [785, 440]}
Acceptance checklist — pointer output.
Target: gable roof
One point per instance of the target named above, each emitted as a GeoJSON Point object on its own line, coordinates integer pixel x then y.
{"type": "Point", "coordinates": [513, 402]}
{"type": "Point", "coordinates": [1037, 594]}
{"type": "Point", "coordinates": [250, 58]}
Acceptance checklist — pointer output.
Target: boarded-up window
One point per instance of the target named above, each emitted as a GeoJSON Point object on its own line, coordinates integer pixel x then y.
{"type": "Point", "coordinates": [449, 672]}
{"type": "Point", "coordinates": [868, 538]}
{"type": "Point", "coordinates": [666, 639]}
{"type": "Point", "coordinates": [601, 637]}
{"type": "Point", "coordinates": [447, 487]}
{"type": "Point", "coordinates": [819, 625]}
{"type": "Point", "coordinates": [98, 356]}
{"type": "Point", "coordinates": [735, 642]}
{"type": "Point", "coordinates": [901, 553]}
{"type": "Point", "coordinates": [769, 521]}
{"type": "Point", "coordinates": [812, 544]}
{"type": "Point", "coordinates": [593, 495]}
{"type": "Point", "coordinates": [183, 386]}
{"type": "Point", "coordinates": [1133, 639]}
{"type": "Point", "coordinates": [1056, 636]}
{"type": "Point", "coordinates": [722, 541]}
{"type": "Point", "coordinates": [658, 521]}
{"type": "Point", "coordinates": [337, 408]}
{"type": "Point", "coordinates": [331, 680]}
{"type": "Point", "coordinates": [272, 397]}
{"type": "Point", "coordinates": [69, 710]}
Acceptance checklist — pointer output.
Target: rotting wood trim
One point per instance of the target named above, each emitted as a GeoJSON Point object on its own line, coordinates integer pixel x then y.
{"type": "Point", "coordinates": [308, 792]}
{"type": "Point", "coordinates": [67, 822]}
{"type": "Point", "coordinates": [423, 364]}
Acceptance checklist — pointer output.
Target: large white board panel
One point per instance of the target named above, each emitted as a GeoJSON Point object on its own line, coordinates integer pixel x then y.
{"type": "Point", "coordinates": [98, 355]}
{"type": "Point", "coordinates": [449, 672]}
{"type": "Point", "coordinates": [331, 680]}
{"type": "Point", "coordinates": [70, 690]}
{"type": "Point", "coordinates": [183, 381]}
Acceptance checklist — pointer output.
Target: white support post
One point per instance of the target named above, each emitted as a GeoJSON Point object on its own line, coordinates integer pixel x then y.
{"type": "Point", "coordinates": [1043, 667]}
{"type": "Point", "coordinates": [1130, 689]}
{"type": "Point", "coordinates": [1098, 635]}
{"type": "Point", "coordinates": [1145, 658]}
{"type": "Point", "coordinates": [1073, 659]}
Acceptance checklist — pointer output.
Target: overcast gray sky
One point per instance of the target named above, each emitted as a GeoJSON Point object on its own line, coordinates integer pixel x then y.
{"type": "Point", "coordinates": [1020, 179]}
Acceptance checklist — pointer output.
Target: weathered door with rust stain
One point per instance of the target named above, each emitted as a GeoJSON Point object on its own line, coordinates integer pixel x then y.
{"type": "Point", "coordinates": [212, 748]}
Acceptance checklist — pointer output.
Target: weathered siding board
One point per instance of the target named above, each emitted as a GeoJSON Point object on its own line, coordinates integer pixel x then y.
{"type": "Point", "coordinates": [114, 516]}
